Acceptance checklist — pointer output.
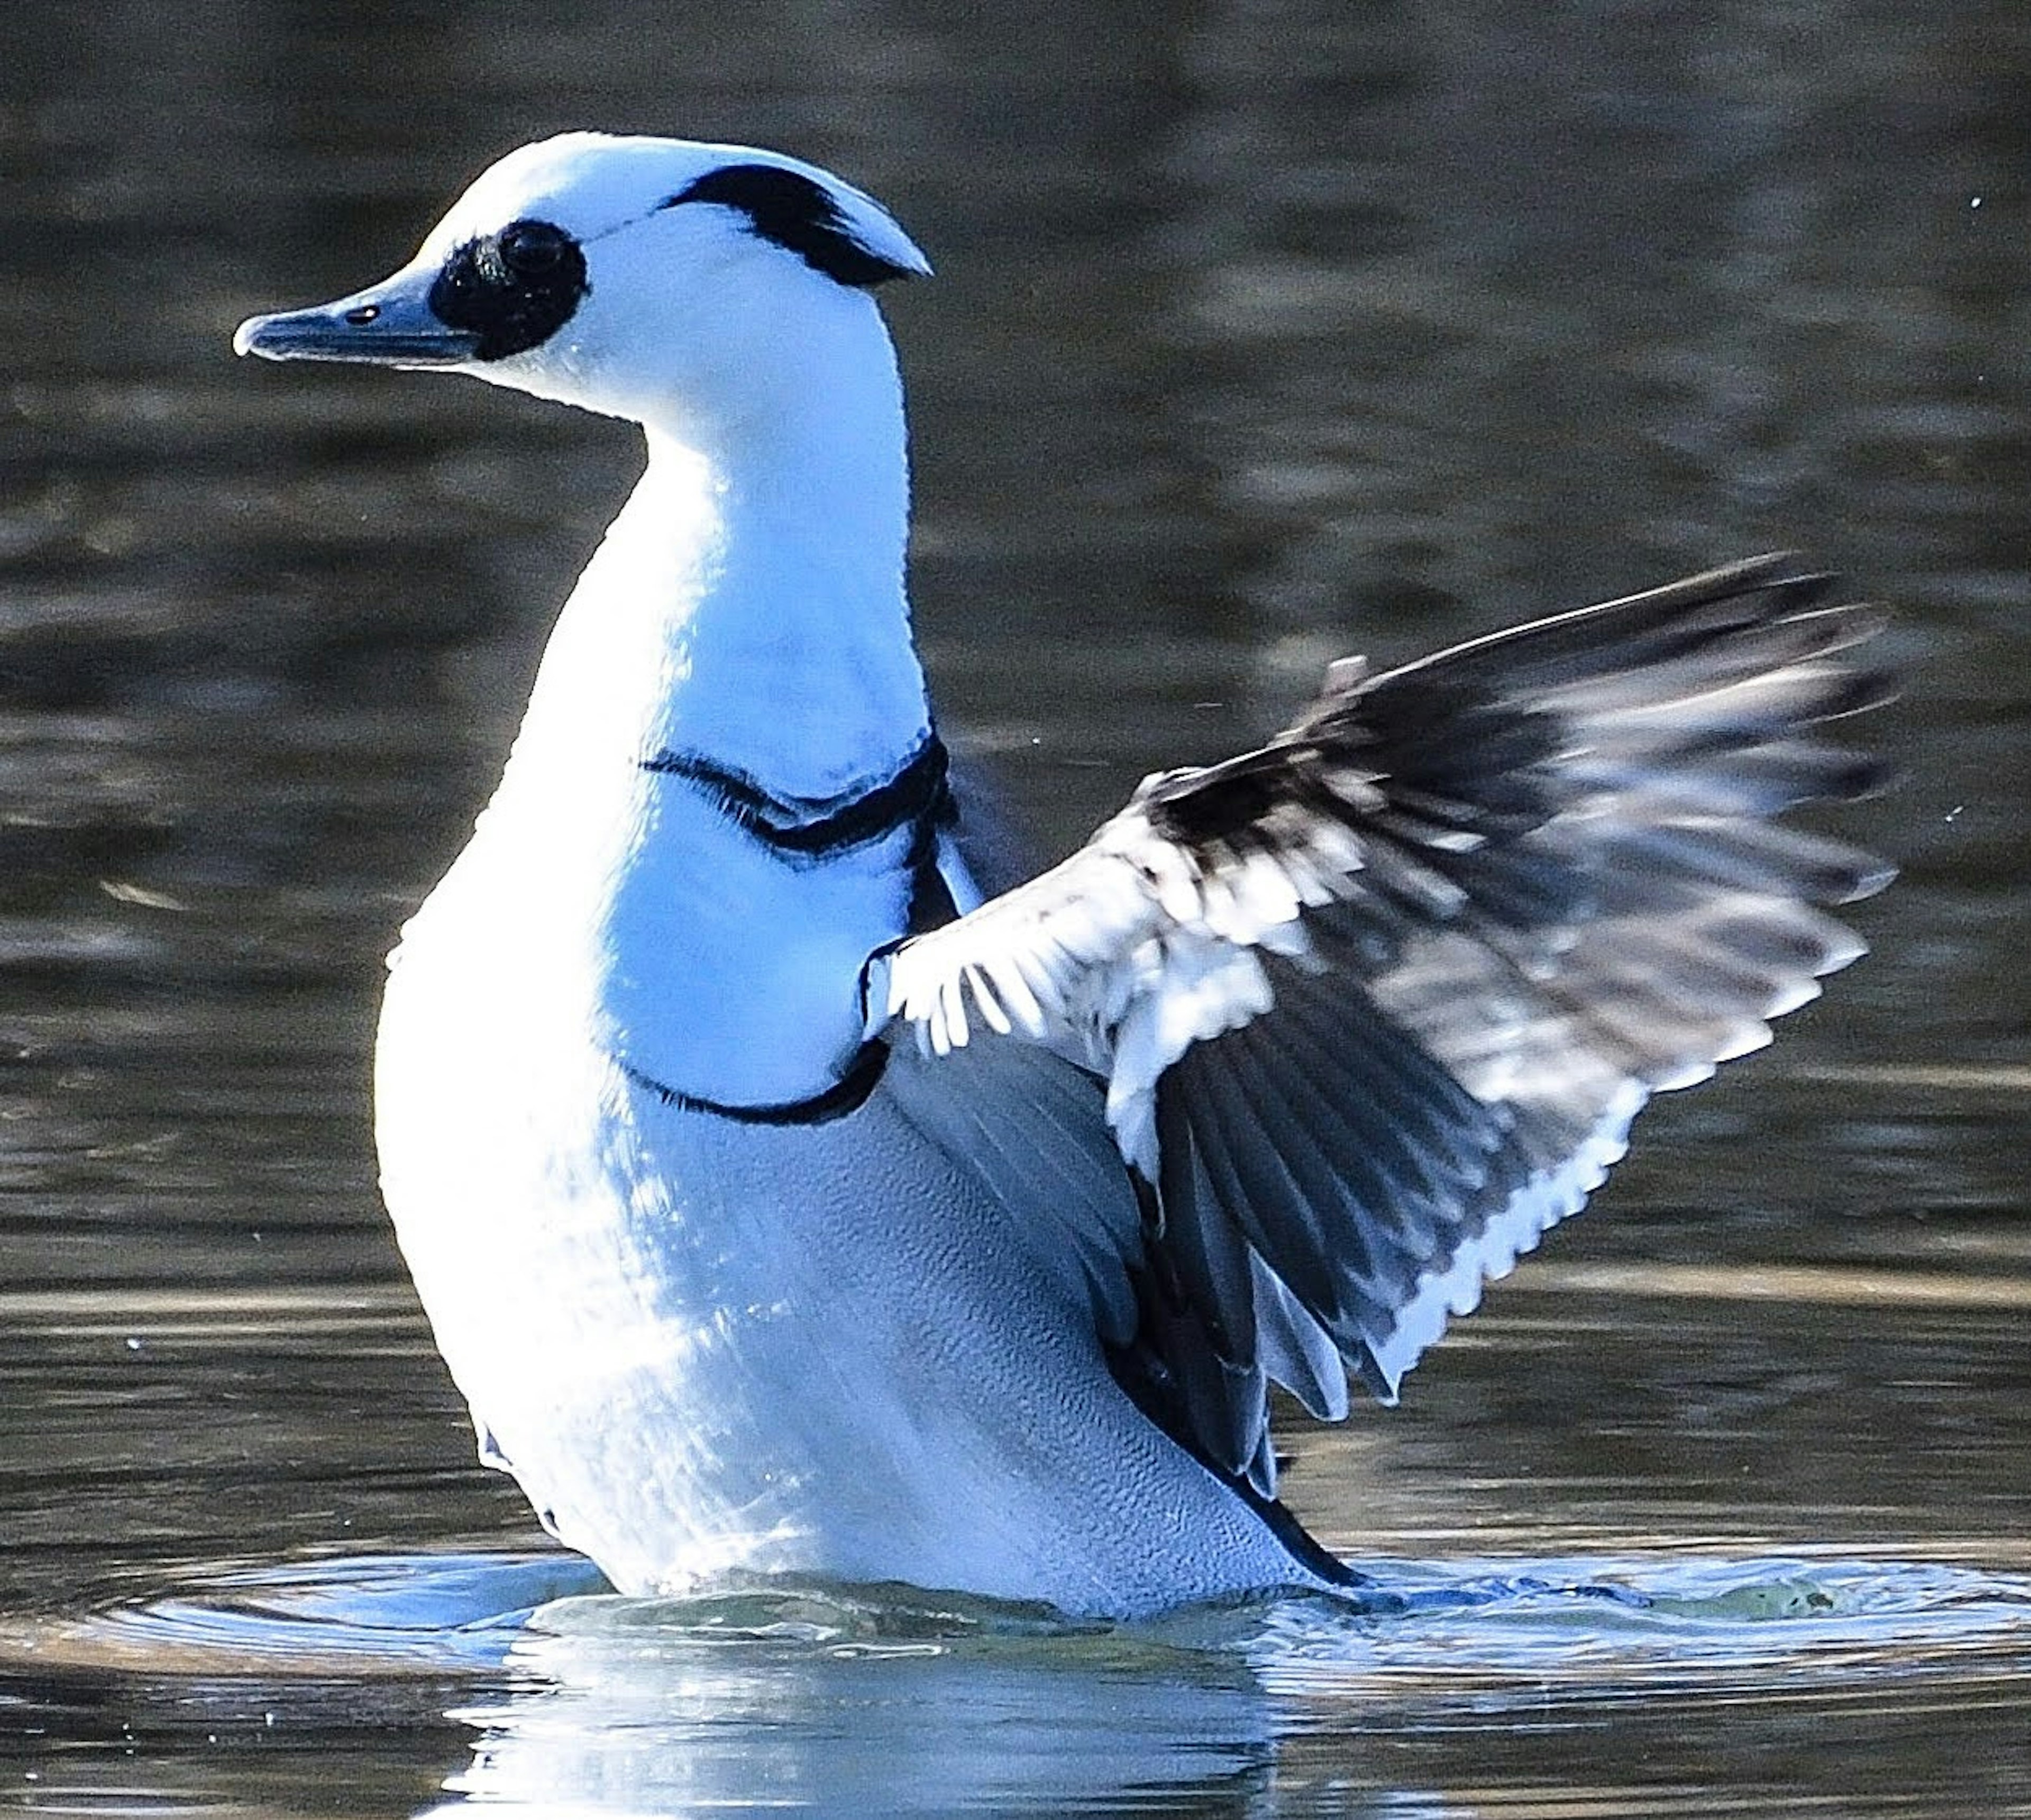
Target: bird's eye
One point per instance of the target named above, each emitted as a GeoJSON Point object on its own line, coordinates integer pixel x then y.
{"type": "Point", "coordinates": [512, 288]}
{"type": "Point", "coordinates": [530, 249]}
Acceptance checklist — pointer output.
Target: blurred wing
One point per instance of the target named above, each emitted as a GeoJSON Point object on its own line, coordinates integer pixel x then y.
{"type": "Point", "coordinates": [1375, 1004]}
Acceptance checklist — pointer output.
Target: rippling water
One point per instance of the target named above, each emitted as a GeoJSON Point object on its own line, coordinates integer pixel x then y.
{"type": "Point", "coordinates": [1262, 332]}
{"type": "Point", "coordinates": [855, 1701]}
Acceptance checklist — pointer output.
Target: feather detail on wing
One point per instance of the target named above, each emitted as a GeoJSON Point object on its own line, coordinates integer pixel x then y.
{"type": "Point", "coordinates": [1375, 1004]}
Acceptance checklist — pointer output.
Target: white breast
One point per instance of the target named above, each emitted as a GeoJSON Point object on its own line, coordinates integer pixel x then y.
{"type": "Point", "coordinates": [843, 1348]}
{"type": "Point", "coordinates": [729, 974]}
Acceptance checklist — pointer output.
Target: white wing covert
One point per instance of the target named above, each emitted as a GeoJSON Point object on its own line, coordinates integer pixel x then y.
{"type": "Point", "coordinates": [1375, 1004]}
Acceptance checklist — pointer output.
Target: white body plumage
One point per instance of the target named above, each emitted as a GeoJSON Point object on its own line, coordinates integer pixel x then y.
{"type": "Point", "coordinates": [704, 1344]}
{"type": "Point", "coordinates": [1260, 1086]}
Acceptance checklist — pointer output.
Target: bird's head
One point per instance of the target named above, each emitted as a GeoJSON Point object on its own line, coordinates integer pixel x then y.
{"type": "Point", "coordinates": [635, 277]}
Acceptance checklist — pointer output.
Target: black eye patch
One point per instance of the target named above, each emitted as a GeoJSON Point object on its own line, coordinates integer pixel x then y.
{"type": "Point", "coordinates": [513, 289]}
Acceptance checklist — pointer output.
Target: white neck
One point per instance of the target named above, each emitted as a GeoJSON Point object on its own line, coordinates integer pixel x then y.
{"type": "Point", "coordinates": [748, 604]}
{"type": "Point", "coordinates": [746, 609]}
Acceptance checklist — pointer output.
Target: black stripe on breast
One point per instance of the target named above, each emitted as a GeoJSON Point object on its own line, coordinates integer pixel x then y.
{"type": "Point", "coordinates": [847, 1095]}
{"type": "Point", "coordinates": [809, 827]}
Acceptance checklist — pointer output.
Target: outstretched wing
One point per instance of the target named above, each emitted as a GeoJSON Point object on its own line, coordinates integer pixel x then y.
{"type": "Point", "coordinates": [1375, 1004]}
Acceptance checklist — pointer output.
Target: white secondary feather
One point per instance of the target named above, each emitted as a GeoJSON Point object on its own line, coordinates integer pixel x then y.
{"type": "Point", "coordinates": [1560, 1018]}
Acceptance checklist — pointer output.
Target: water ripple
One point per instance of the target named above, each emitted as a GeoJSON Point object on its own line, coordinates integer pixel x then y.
{"type": "Point", "coordinates": [1558, 1627]}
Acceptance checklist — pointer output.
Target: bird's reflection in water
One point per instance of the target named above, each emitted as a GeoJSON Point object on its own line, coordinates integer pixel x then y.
{"type": "Point", "coordinates": [840, 1700]}
{"type": "Point", "coordinates": [829, 1698]}
{"type": "Point", "coordinates": [627, 1713]}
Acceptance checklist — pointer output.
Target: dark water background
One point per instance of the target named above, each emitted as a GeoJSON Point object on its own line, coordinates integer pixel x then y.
{"type": "Point", "coordinates": [1263, 331]}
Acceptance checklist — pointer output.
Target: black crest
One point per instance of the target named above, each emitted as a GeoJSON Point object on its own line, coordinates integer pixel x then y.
{"type": "Point", "coordinates": [513, 289]}
{"type": "Point", "coordinates": [798, 215]}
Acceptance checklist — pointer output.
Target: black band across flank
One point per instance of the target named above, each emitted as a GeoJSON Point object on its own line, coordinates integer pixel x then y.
{"type": "Point", "coordinates": [513, 289]}
{"type": "Point", "coordinates": [847, 1095]}
{"type": "Point", "coordinates": [798, 214]}
{"type": "Point", "coordinates": [810, 828]}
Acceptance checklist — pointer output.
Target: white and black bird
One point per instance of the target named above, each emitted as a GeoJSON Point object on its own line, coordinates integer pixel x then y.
{"type": "Point", "coordinates": [779, 1204]}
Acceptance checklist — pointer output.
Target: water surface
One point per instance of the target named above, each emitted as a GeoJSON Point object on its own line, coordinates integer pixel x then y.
{"type": "Point", "coordinates": [1263, 332]}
